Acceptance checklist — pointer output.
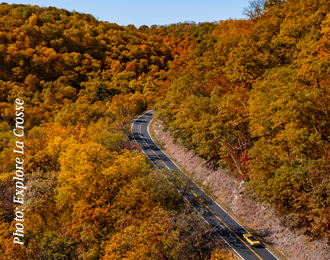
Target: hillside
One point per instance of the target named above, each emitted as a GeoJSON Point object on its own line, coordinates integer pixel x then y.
{"type": "Point", "coordinates": [83, 188]}
{"type": "Point", "coordinates": [254, 98]}
{"type": "Point", "coordinates": [249, 95]}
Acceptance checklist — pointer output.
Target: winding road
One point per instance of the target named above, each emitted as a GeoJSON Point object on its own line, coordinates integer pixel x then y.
{"type": "Point", "coordinates": [225, 226]}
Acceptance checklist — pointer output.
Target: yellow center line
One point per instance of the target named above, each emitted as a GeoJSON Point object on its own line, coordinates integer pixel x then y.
{"type": "Point", "coordinates": [233, 232]}
{"type": "Point", "coordinates": [228, 227]}
{"type": "Point", "coordinates": [203, 203]}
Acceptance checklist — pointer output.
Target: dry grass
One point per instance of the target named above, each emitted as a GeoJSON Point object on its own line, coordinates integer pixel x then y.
{"type": "Point", "coordinates": [229, 192]}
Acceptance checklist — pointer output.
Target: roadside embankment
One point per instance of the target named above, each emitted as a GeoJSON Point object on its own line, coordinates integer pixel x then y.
{"type": "Point", "coordinates": [263, 222]}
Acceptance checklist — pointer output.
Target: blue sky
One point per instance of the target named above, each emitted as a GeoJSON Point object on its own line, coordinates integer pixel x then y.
{"type": "Point", "coordinates": [149, 12]}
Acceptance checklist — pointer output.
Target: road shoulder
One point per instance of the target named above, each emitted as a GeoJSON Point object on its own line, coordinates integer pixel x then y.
{"type": "Point", "coordinates": [229, 191]}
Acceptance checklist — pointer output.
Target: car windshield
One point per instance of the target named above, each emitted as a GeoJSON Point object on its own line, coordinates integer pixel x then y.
{"type": "Point", "coordinates": [253, 239]}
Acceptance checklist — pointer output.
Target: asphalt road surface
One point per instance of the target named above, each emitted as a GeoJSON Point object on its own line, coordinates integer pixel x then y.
{"type": "Point", "coordinates": [210, 211]}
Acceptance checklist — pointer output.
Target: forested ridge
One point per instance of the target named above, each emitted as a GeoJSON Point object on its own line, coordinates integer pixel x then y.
{"type": "Point", "coordinates": [90, 193]}
{"type": "Point", "coordinates": [251, 95]}
{"type": "Point", "coordinates": [255, 98]}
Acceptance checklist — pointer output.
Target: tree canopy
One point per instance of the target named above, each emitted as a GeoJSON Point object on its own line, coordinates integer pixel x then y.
{"type": "Point", "coordinates": [251, 95]}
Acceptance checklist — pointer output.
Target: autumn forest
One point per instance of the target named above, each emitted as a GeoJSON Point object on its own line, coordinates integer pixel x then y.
{"type": "Point", "coordinates": [251, 95]}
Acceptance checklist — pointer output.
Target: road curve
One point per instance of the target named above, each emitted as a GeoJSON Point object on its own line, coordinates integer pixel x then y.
{"type": "Point", "coordinates": [226, 227]}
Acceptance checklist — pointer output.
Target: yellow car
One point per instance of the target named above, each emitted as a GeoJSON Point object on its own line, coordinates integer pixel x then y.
{"type": "Point", "coordinates": [251, 239]}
